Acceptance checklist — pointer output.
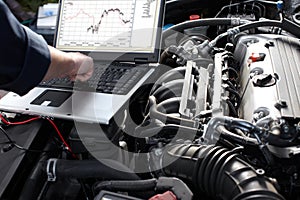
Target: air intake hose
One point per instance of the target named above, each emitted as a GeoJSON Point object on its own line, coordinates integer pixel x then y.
{"type": "Point", "coordinates": [218, 172]}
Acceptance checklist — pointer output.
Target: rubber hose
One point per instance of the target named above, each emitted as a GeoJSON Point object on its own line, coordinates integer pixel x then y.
{"type": "Point", "coordinates": [32, 187]}
{"type": "Point", "coordinates": [244, 140]}
{"type": "Point", "coordinates": [212, 133]}
{"type": "Point", "coordinates": [237, 123]}
{"type": "Point", "coordinates": [166, 58]}
{"type": "Point", "coordinates": [137, 185]}
{"type": "Point", "coordinates": [84, 169]}
{"type": "Point", "coordinates": [195, 23]}
{"type": "Point", "coordinates": [257, 24]}
{"type": "Point", "coordinates": [284, 24]}
{"type": "Point", "coordinates": [218, 172]}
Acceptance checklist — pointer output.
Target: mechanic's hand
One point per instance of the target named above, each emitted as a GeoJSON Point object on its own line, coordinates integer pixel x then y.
{"type": "Point", "coordinates": [83, 67]}
{"type": "Point", "coordinates": [76, 66]}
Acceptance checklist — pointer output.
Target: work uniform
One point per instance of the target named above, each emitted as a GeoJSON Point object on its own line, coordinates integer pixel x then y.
{"type": "Point", "coordinates": [24, 55]}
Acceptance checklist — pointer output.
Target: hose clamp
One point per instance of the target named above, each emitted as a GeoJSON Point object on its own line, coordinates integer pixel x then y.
{"type": "Point", "coordinates": [51, 170]}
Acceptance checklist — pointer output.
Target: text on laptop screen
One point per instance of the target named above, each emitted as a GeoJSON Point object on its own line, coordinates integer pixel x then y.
{"type": "Point", "coordinates": [108, 26]}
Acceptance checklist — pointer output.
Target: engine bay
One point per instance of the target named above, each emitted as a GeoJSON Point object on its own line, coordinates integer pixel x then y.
{"type": "Point", "coordinates": [220, 119]}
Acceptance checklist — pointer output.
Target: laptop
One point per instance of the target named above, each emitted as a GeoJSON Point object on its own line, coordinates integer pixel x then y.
{"type": "Point", "coordinates": [123, 32]}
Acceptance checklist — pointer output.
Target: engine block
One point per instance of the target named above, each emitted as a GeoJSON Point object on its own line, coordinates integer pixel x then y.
{"type": "Point", "coordinates": [270, 75]}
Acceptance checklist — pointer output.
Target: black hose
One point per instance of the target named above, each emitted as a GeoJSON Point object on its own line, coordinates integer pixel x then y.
{"type": "Point", "coordinates": [213, 132]}
{"type": "Point", "coordinates": [33, 185]}
{"type": "Point", "coordinates": [84, 169]}
{"type": "Point", "coordinates": [257, 24]}
{"type": "Point", "coordinates": [218, 172]}
{"type": "Point", "coordinates": [195, 23]}
{"type": "Point", "coordinates": [234, 137]}
{"type": "Point", "coordinates": [136, 185]}
{"type": "Point", "coordinates": [166, 57]}
{"type": "Point", "coordinates": [240, 124]}
{"type": "Point", "coordinates": [284, 24]}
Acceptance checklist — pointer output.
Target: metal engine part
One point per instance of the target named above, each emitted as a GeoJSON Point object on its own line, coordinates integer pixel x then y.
{"type": "Point", "coordinates": [269, 77]}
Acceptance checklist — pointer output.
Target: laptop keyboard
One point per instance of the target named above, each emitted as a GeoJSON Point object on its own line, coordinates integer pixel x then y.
{"type": "Point", "coordinates": [118, 78]}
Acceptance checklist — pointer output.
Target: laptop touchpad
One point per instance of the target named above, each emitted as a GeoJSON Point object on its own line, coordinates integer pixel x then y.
{"type": "Point", "coordinates": [52, 98]}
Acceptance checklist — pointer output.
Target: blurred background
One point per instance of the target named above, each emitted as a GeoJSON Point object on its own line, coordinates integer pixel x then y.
{"type": "Point", "coordinates": [25, 10]}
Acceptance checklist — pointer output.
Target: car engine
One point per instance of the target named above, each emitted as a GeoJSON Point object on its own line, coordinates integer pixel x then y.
{"type": "Point", "coordinates": [219, 120]}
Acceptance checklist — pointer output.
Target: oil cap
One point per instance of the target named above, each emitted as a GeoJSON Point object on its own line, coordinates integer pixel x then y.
{"type": "Point", "coordinates": [264, 80]}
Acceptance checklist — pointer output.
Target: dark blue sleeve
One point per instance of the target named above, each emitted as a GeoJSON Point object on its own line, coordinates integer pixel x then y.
{"type": "Point", "coordinates": [24, 55]}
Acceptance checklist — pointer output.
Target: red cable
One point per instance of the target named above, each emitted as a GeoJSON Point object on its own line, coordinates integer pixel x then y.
{"type": "Point", "coordinates": [18, 123]}
{"type": "Point", "coordinates": [62, 138]}
{"type": "Point", "coordinates": [36, 118]}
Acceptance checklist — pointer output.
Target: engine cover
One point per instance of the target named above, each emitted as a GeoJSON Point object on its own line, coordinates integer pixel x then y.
{"type": "Point", "coordinates": [270, 77]}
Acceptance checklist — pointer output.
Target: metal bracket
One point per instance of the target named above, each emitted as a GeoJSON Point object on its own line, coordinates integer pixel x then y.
{"type": "Point", "coordinates": [51, 170]}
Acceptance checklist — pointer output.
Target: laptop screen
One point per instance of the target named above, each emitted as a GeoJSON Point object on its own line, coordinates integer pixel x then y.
{"type": "Point", "coordinates": [128, 28]}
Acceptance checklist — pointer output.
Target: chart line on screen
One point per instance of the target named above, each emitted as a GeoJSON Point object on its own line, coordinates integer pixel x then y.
{"type": "Point", "coordinates": [119, 24]}
{"type": "Point", "coordinates": [95, 27]}
{"type": "Point", "coordinates": [97, 23]}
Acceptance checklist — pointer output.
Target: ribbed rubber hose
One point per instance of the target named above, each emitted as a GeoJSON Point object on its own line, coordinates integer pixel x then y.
{"type": "Point", "coordinates": [218, 172]}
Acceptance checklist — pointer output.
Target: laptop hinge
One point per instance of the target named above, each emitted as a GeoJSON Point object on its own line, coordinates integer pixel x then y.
{"type": "Point", "coordinates": [141, 60]}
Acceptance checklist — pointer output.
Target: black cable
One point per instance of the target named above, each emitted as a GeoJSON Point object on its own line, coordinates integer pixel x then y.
{"type": "Point", "coordinates": [228, 69]}
{"type": "Point", "coordinates": [84, 189]}
{"type": "Point", "coordinates": [230, 84]}
{"type": "Point", "coordinates": [246, 87]}
{"type": "Point", "coordinates": [236, 94]}
{"type": "Point", "coordinates": [14, 144]}
{"type": "Point", "coordinates": [231, 108]}
{"type": "Point", "coordinates": [6, 135]}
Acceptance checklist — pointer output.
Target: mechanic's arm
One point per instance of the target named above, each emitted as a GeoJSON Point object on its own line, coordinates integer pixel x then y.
{"type": "Point", "coordinates": [26, 59]}
{"type": "Point", "coordinates": [73, 65]}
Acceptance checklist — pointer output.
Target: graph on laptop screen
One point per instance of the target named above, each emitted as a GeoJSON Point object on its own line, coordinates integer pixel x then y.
{"type": "Point", "coordinates": [108, 25]}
